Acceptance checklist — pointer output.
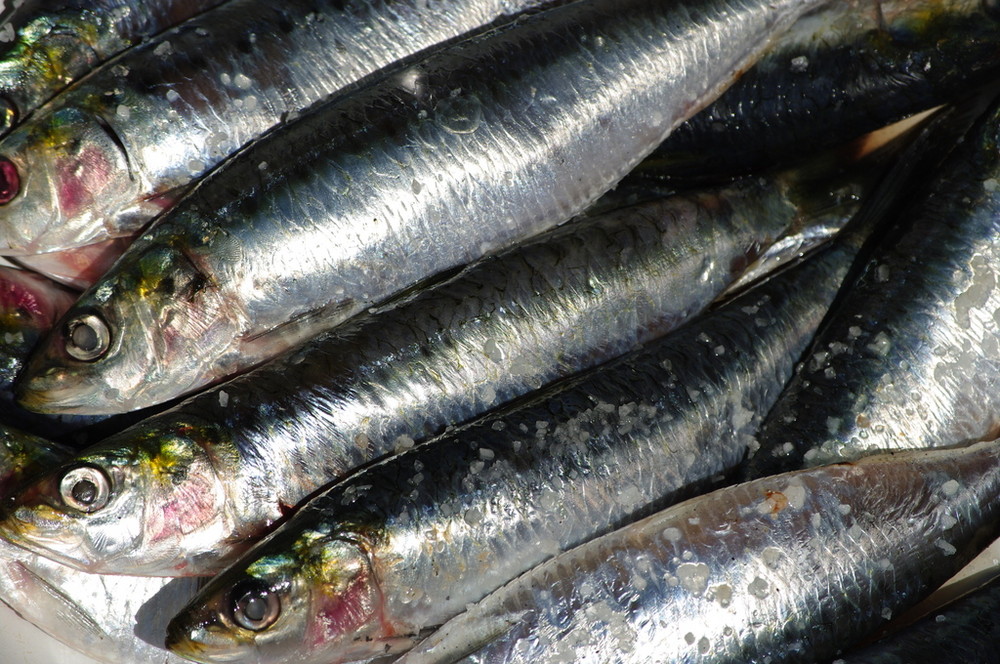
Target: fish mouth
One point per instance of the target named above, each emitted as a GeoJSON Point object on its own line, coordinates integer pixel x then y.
{"type": "Point", "coordinates": [199, 643]}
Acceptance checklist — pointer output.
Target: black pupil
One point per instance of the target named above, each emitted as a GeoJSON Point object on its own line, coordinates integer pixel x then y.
{"type": "Point", "coordinates": [84, 337]}
{"type": "Point", "coordinates": [84, 492]}
{"type": "Point", "coordinates": [254, 607]}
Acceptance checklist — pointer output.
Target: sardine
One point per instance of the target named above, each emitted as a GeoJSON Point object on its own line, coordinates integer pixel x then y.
{"type": "Point", "coordinates": [405, 544]}
{"type": "Point", "coordinates": [51, 44]}
{"type": "Point", "coordinates": [836, 74]}
{"type": "Point", "coordinates": [910, 355]}
{"type": "Point", "coordinates": [109, 154]}
{"type": "Point", "coordinates": [583, 294]}
{"type": "Point", "coordinates": [967, 631]}
{"type": "Point", "coordinates": [428, 167]}
{"type": "Point", "coordinates": [791, 568]}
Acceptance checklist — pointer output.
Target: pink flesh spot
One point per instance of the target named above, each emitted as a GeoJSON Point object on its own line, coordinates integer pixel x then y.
{"type": "Point", "coordinates": [80, 177]}
{"type": "Point", "coordinates": [344, 614]}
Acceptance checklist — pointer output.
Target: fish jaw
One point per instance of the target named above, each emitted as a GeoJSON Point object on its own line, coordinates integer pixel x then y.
{"type": "Point", "coordinates": [164, 508]}
{"type": "Point", "coordinates": [326, 601]}
{"type": "Point", "coordinates": [159, 317]}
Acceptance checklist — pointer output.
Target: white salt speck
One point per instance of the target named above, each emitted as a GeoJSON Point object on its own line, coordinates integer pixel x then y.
{"type": "Point", "coordinates": [788, 448]}
{"type": "Point", "coordinates": [223, 398]}
{"type": "Point", "coordinates": [195, 166]}
{"type": "Point", "coordinates": [856, 531]}
{"type": "Point", "coordinates": [771, 556]}
{"type": "Point", "coordinates": [486, 454]}
{"type": "Point", "coordinates": [887, 613]}
{"type": "Point", "coordinates": [403, 442]}
{"type": "Point", "coordinates": [800, 64]}
{"type": "Point", "coordinates": [796, 495]}
{"type": "Point", "coordinates": [882, 273]}
{"type": "Point", "coordinates": [950, 488]}
{"type": "Point", "coordinates": [885, 564]}
{"type": "Point", "coordinates": [7, 33]}
{"type": "Point", "coordinates": [262, 166]}
{"type": "Point", "coordinates": [242, 81]}
{"type": "Point", "coordinates": [693, 577]}
{"type": "Point", "coordinates": [225, 78]}
{"type": "Point", "coordinates": [123, 111]}
{"type": "Point", "coordinates": [940, 617]}
{"type": "Point", "coordinates": [694, 521]}
{"type": "Point", "coordinates": [719, 350]}
{"type": "Point", "coordinates": [673, 534]}
{"type": "Point", "coordinates": [854, 331]}
{"type": "Point", "coordinates": [476, 466]}
{"type": "Point", "coordinates": [689, 637]}
{"type": "Point", "coordinates": [844, 509]}
{"type": "Point", "coordinates": [704, 645]}
{"type": "Point", "coordinates": [164, 49]}
{"type": "Point", "coordinates": [946, 547]}
{"type": "Point", "coordinates": [172, 95]}
{"type": "Point", "coordinates": [991, 185]}
{"type": "Point", "coordinates": [758, 588]}
{"type": "Point", "coordinates": [250, 103]}
{"type": "Point", "coordinates": [881, 344]}
{"type": "Point", "coordinates": [816, 520]}
{"type": "Point", "coordinates": [947, 521]}
{"type": "Point", "coordinates": [473, 516]}
{"type": "Point", "coordinates": [687, 555]}
{"type": "Point", "coordinates": [833, 424]}
{"type": "Point", "coordinates": [723, 594]}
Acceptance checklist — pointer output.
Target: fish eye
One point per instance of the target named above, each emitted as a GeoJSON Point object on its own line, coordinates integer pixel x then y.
{"type": "Point", "coordinates": [85, 488]}
{"type": "Point", "coordinates": [10, 183]}
{"type": "Point", "coordinates": [253, 606]}
{"type": "Point", "coordinates": [87, 337]}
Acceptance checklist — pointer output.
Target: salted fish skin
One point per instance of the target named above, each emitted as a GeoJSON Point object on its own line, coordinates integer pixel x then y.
{"type": "Point", "coordinates": [120, 147]}
{"type": "Point", "coordinates": [788, 568]}
{"type": "Point", "coordinates": [570, 299]}
{"type": "Point", "coordinates": [51, 44]}
{"type": "Point", "coordinates": [965, 630]}
{"type": "Point", "coordinates": [370, 187]}
{"type": "Point", "coordinates": [835, 75]}
{"type": "Point", "coordinates": [408, 542]}
{"type": "Point", "coordinates": [908, 356]}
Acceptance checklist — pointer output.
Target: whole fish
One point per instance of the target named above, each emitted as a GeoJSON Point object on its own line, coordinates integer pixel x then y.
{"type": "Point", "coordinates": [578, 296]}
{"type": "Point", "coordinates": [119, 147]}
{"type": "Point", "coordinates": [435, 163]}
{"type": "Point", "coordinates": [405, 544]}
{"type": "Point", "coordinates": [841, 72]}
{"type": "Point", "coordinates": [52, 43]}
{"type": "Point", "coordinates": [967, 630]}
{"type": "Point", "coordinates": [910, 355]}
{"type": "Point", "coordinates": [791, 568]}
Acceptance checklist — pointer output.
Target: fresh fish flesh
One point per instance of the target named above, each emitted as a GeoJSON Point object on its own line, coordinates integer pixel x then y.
{"type": "Point", "coordinates": [791, 568]}
{"type": "Point", "coordinates": [910, 355]}
{"type": "Point", "coordinates": [430, 166]}
{"type": "Point", "coordinates": [51, 44]}
{"type": "Point", "coordinates": [109, 154]}
{"type": "Point", "coordinates": [405, 544]}
{"type": "Point", "coordinates": [841, 72]}
{"type": "Point", "coordinates": [581, 295]}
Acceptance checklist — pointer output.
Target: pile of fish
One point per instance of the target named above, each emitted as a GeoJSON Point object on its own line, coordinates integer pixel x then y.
{"type": "Point", "coordinates": [541, 331]}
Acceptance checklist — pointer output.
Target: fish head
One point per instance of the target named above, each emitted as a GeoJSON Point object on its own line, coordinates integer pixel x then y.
{"type": "Point", "coordinates": [149, 501]}
{"type": "Point", "coordinates": [313, 597]}
{"type": "Point", "coordinates": [155, 327]}
{"type": "Point", "coordinates": [65, 177]}
{"type": "Point", "coordinates": [23, 455]}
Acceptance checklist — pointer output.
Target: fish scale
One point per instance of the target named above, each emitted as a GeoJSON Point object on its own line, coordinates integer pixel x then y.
{"type": "Point", "coordinates": [55, 43]}
{"type": "Point", "coordinates": [507, 134]}
{"type": "Point", "coordinates": [418, 536]}
{"type": "Point", "coordinates": [569, 300]}
{"type": "Point", "coordinates": [790, 568]}
{"type": "Point", "coordinates": [909, 356]}
{"type": "Point", "coordinates": [146, 126]}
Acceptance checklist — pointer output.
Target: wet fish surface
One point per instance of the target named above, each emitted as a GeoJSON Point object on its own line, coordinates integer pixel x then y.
{"type": "Point", "coordinates": [838, 73]}
{"type": "Point", "coordinates": [109, 154]}
{"type": "Point", "coordinates": [790, 568]}
{"type": "Point", "coordinates": [583, 294]}
{"type": "Point", "coordinates": [48, 45]}
{"type": "Point", "coordinates": [403, 545]}
{"type": "Point", "coordinates": [909, 356]}
{"type": "Point", "coordinates": [967, 630]}
{"type": "Point", "coordinates": [361, 198]}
